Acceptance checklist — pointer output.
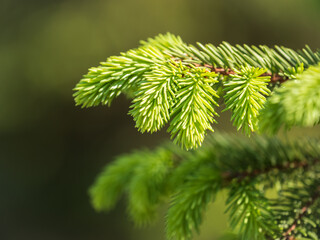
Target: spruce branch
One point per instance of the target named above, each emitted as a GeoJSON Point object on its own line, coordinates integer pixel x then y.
{"type": "Point", "coordinates": [189, 203]}
{"type": "Point", "coordinates": [244, 167]}
{"type": "Point", "coordinates": [303, 211]}
{"type": "Point", "coordinates": [260, 161]}
{"type": "Point", "coordinates": [155, 98]}
{"type": "Point", "coordinates": [148, 187]}
{"type": "Point", "coordinates": [165, 76]}
{"type": "Point", "coordinates": [249, 212]}
{"type": "Point", "coordinates": [297, 211]}
{"type": "Point", "coordinates": [193, 111]}
{"type": "Point", "coordinates": [229, 177]}
{"type": "Point", "coordinates": [251, 158]}
{"type": "Point", "coordinates": [112, 181]}
{"type": "Point", "coordinates": [296, 103]}
{"type": "Point", "coordinates": [178, 84]}
{"type": "Point", "coordinates": [245, 96]}
{"type": "Point", "coordinates": [142, 176]}
{"type": "Point", "coordinates": [280, 60]}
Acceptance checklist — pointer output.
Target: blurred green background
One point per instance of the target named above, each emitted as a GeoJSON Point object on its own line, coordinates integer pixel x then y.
{"type": "Point", "coordinates": [51, 150]}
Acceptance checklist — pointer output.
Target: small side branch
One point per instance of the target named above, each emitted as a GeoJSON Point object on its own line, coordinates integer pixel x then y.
{"type": "Point", "coordinates": [303, 212]}
{"type": "Point", "coordinates": [239, 176]}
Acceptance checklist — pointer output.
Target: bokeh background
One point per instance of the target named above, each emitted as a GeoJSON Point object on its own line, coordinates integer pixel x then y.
{"type": "Point", "coordinates": [51, 150]}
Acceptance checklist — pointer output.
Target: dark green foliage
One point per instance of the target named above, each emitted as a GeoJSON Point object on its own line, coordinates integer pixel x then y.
{"type": "Point", "coordinates": [190, 201]}
{"type": "Point", "coordinates": [249, 211]}
{"type": "Point", "coordinates": [297, 210]}
{"type": "Point", "coordinates": [112, 182]}
{"type": "Point", "coordinates": [148, 186]}
{"type": "Point", "coordinates": [142, 176]}
{"type": "Point", "coordinates": [244, 167]}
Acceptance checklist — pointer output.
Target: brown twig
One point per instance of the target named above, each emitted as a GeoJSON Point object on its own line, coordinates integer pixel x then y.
{"type": "Point", "coordinates": [274, 78]}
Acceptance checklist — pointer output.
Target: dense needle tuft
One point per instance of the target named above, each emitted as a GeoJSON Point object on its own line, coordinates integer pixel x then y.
{"type": "Point", "coordinates": [246, 93]}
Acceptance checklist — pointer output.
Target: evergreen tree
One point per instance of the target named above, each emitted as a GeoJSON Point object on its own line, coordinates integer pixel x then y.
{"type": "Point", "coordinates": [180, 85]}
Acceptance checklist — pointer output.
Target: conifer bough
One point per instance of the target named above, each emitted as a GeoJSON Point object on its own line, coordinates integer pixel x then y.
{"type": "Point", "coordinates": [177, 84]}
{"type": "Point", "coordinates": [172, 83]}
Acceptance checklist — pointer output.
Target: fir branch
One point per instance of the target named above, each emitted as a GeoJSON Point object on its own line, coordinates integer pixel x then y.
{"type": "Point", "coordinates": [155, 98]}
{"type": "Point", "coordinates": [148, 185]}
{"type": "Point", "coordinates": [303, 211]}
{"type": "Point", "coordinates": [142, 175]}
{"type": "Point", "coordinates": [224, 162]}
{"type": "Point", "coordinates": [121, 74]}
{"type": "Point", "coordinates": [228, 177]}
{"type": "Point", "coordinates": [267, 160]}
{"type": "Point", "coordinates": [297, 211]}
{"type": "Point", "coordinates": [118, 74]}
{"type": "Point", "coordinates": [207, 158]}
{"type": "Point", "coordinates": [112, 181]}
{"type": "Point", "coordinates": [151, 76]}
{"type": "Point", "coordinates": [249, 212]}
{"type": "Point", "coordinates": [280, 60]}
{"type": "Point", "coordinates": [245, 96]}
{"type": "Point", "coordinates": [189, 203]}
{"type": "Point", "coordinates": [192, 114]}
{"type": "Point", "coordinates": [176, 83]}
{"type": "Point", "coordinates": [296, 103]}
